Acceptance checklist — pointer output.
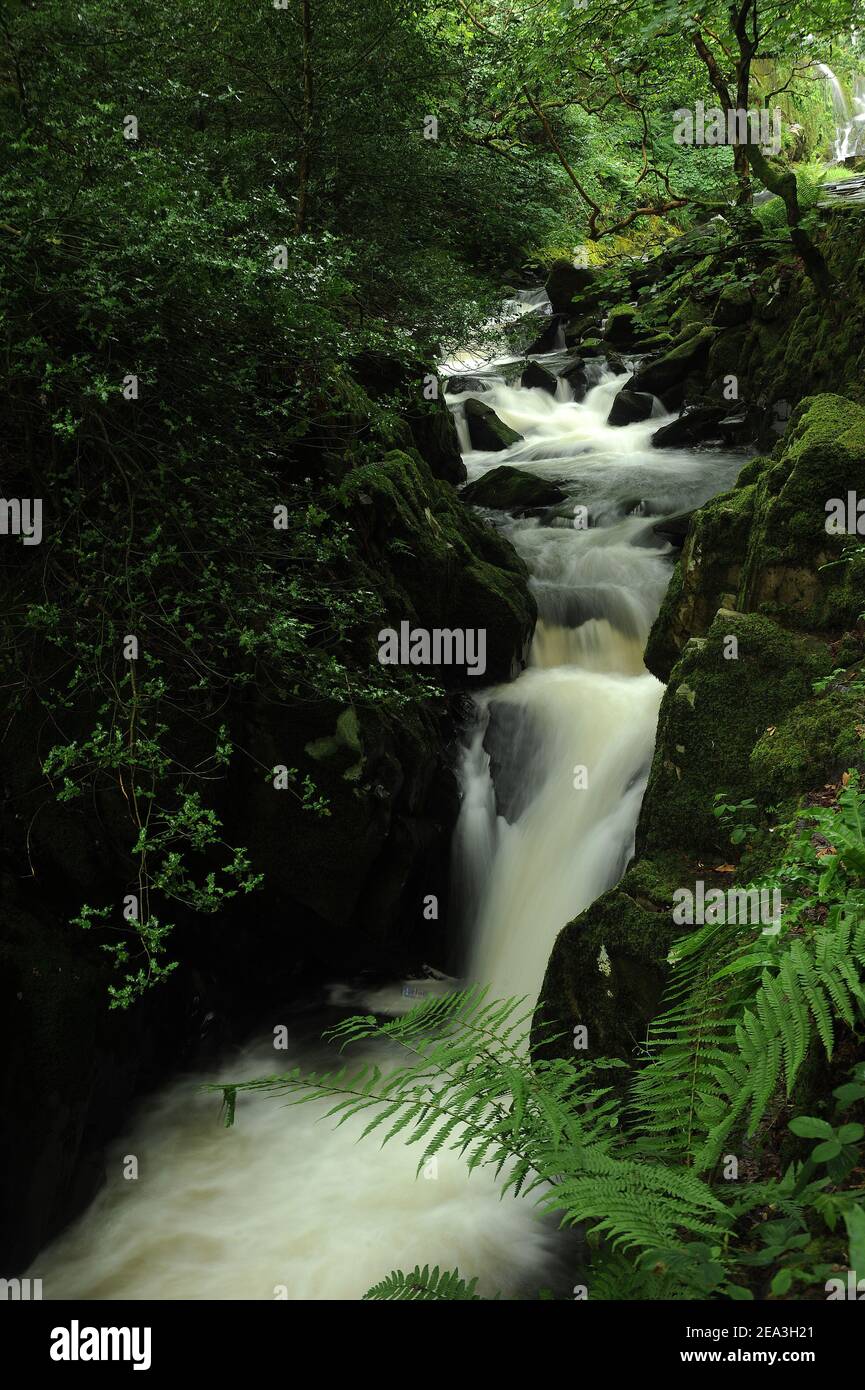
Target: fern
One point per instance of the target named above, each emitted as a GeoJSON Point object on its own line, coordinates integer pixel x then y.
{"type": "Point", "coordinates": [739, 1017]}
{"type": "Point", "coordinates": [424, 1285]}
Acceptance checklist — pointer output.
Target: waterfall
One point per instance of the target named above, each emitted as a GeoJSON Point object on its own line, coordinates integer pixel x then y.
{"type": "Point", "coordinates": [552, 775]}
{"type": "Point", "coordinates": [849, 122]}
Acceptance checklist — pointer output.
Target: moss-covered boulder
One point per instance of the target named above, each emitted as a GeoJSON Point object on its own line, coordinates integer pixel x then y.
{"type": "Point", "coordinates": [435, 564]}
{"type": "Point", "coordinates": [607, 968]}
{"type": "Point", "coordinates": [512, 490]}
{"type": "Point", "coordinates": [729, 687]}
{"type": "Point", "coordinates": [622, 326]}
{"type": "Point", "coordinates": [672, 368]}
{"type": "Point", "coordinates": [486, 431]}
{"type": "Point", "coordinates": [735, 306]}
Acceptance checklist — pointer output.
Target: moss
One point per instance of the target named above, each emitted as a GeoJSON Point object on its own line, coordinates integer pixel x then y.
{"type": "Point", "coordinates": [607, 967]}
{"type": "Point", "coordinates": [435, 563]}
{"type": "Point", "coordinates": [815, 742]}
{"type": "Point", "coordinates": [344, 745]}
{"type": "Point", "coordinates": [716, 708]}
{"type": "Point", "coordinates": [706, 578]}
{"type": "Point", "coordinates": [821, 457]}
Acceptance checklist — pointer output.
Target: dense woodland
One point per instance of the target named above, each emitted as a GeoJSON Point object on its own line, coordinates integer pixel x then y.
{"type": "Point", "coordinates": [237, 240]}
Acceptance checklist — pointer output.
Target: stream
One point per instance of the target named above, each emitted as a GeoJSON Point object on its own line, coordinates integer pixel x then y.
{"type": "Point", "coordinates": [552, 774]}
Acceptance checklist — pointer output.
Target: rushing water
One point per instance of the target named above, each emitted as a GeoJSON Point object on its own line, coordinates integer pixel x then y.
{"type": "Point", "coordinates": [849, 119]}
{"type": "Point", "coordinates": [553, 771]}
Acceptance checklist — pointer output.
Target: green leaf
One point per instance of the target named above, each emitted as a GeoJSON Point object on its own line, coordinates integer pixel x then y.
{"type": "Point", "coordinates": [808, 1127]}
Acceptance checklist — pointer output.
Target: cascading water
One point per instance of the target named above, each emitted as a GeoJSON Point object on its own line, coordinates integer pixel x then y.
{"type": "Point", "coordinates": [283, 1204]}
{"type": "Point", "coordinates": [849, 121]}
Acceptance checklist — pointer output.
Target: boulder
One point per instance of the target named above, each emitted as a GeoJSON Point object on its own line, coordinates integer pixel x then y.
{"type": "Point", "coordinates": [619, 327]}
{"type": "Point", "coordinates": [486, 431]}
{"type": "Point", "coordinates": [575, 376]}
{"type": "Point", "coordinates": [734, 307]}
{"type": "Point", "coordinates": [566, 280]}
{"type": "Point", "coordinates": [457, 385]}
{"type": "Point", "coordinates": [694, 424]}
{"type": "Point", "coordinates": [537, 377]}
{"type": "Point", "coordinates": [671, 369]}
{"type": "Point", "coordinates": [549, 338]}
{"type": "Point", "coordinates": [630, 406]}
{"type": "Point", "coordinates": [512, 490]}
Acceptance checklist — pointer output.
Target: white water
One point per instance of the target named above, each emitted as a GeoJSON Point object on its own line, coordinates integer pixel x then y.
{"type": "Point", "coordinates": [849, 119]}
{"type": "Point", "coordinates": [285, 1201]}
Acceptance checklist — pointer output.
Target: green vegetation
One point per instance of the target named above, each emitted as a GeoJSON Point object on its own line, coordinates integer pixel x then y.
{"type": "Point", "coordinates": [655, 1166]}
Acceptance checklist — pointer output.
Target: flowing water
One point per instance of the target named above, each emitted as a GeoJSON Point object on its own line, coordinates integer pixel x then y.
{"type": "Point", "coordinates": [552, 774]}
{"type": "Point", "coordinates": [849, 116]}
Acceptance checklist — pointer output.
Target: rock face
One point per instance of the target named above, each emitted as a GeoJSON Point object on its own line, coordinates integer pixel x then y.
{"type": "Point", "coordinates": [750, 623]}
{"type": "Point", "coordinates": [486, 431]}
{"type": "Point", "coordinates": [428, 425]}
{"type": "Point", "coordinates": [512, 490]}
{"type": "Point", "coordinates": [630, 406]}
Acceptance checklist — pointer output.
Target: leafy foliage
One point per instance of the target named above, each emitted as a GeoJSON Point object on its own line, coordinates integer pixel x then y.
{"type": "Point", "coordinates": [636, 1163]}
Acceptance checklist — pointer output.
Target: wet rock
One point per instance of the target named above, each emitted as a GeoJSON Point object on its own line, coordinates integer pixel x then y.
{"type": "Point", "coordinates": [486, 430]}
{"type": "Point", "coordinates": [515, 746]}
{"type": "Point", "coordinates": [549, 338]}
{"type": "Point", "coordinates": [457, 385]}
{"type": "Point", "coordinates": [575, 376]}
{"type": "Point", "coordinates": [674, 528]}
{"type": "Point", "coordinates": [630, 406]}
{"type": "Point", "coordinates": [693, 425]}
{"type": "Point", "coordinates": [512, 490]}
{"type": "Point", "coordinates": [537, 377]}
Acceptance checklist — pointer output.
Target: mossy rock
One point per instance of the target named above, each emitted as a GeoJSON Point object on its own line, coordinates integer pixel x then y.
{"type": "Point", "coordinates": [735, 306]}
{"type": "Point", "coordinates": [816, 742]}
{"type": "Point", "coordinates": [622, 326]}
{"type": "Point", "coordinates": [607, 968]}
{"type": "Point", "coordinates": [437, 565]}
{"type": "Point", "coordinates": [486, 430]}
{"type": "Point", "coordinates": [512, 490]}
{"type": "Point", "coordinates": [706, 578]}
{"type": "Point", "coordinates": [673, 367]}
{"type": "Point", "coordinates": [721, 699]}
{"type": "Point", "coordinates": [821, 457]}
